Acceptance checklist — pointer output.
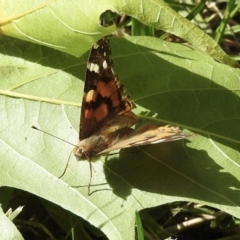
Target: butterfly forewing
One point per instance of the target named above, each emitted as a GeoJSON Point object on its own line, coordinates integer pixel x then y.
{"type": "Point", "coordinates": [103, 97]}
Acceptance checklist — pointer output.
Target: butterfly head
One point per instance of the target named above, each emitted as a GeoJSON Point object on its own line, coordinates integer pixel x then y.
{"type": "Point", "coordinates": [89, 147]}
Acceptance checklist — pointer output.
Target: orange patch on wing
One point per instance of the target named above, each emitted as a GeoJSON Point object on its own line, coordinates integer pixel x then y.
{"type": "Point", "coordinates": [101, 112]}
{"type": "Point", "coordinates": [115, 99]}
{"type": "Point", "coordinates": [91, 96]}
{"type": "Point", "coordinates": [107, 90]}
{"type": "Point", "coordinates": [88, 113]}
{"type": "Point", "coordinates": [100, 86]}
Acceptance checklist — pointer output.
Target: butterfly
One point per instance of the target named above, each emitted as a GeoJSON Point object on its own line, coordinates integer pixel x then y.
{"type": "Point", "coordinates": [107, 119]}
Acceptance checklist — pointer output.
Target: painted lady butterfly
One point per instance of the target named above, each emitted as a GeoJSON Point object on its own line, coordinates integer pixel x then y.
{"type": "Point", "coordinates": [106, 115]}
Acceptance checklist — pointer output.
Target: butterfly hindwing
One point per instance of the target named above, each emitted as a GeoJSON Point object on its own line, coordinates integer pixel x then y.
{"type": "Point", "coordinates": [147, 134]}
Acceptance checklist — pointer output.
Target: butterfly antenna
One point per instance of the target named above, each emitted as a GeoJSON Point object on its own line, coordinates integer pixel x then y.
{"type": "Point", "coordinates": [65, 169]}
{"type": "Point", "coordinates": [52, 135]}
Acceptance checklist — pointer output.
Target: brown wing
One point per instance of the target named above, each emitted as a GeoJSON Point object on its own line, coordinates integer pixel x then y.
{"type": "Point", "coordinates": [147, 134]}
{"type": "Point", "coordinates": [103, 97]}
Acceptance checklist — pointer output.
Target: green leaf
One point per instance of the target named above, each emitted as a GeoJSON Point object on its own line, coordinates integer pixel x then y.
{"type": "Point", "coordinates": [159, 15]}
{"type": "Point", "coordinates": [170, 83]}
{"type": "Point", "coordinates": [140, 232]}
{"type": "Point", "coordinates": [8, 230]}
{"type": "Point", "coordinates": [72, 31]}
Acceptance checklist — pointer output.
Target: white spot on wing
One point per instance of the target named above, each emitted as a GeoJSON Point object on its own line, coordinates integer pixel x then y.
{"type": "Point", "coordinates": [159, 141]}
{"type": "Point", "coordinates": [105, 64]}
{"type": "Point", "coordinates": [93, 67]}
{"type": "Point", "coordinates": [177, 137]}
{"type": "Point", "coordinates": [169, 138]}
{"type": "Point", "coordinates": [95, 45]}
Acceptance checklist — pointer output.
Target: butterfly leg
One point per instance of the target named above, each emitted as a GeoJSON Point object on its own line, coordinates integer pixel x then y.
{"type": "Point", "coordinates": [91, 174]}
{"type": "Point", "coordinates": [66, 165]}
{"type": "Point", "coordinates": [90, 180]}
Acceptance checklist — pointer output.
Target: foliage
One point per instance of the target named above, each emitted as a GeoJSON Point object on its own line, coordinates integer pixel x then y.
{"type": "Point", "coordinates": [41, 84]}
